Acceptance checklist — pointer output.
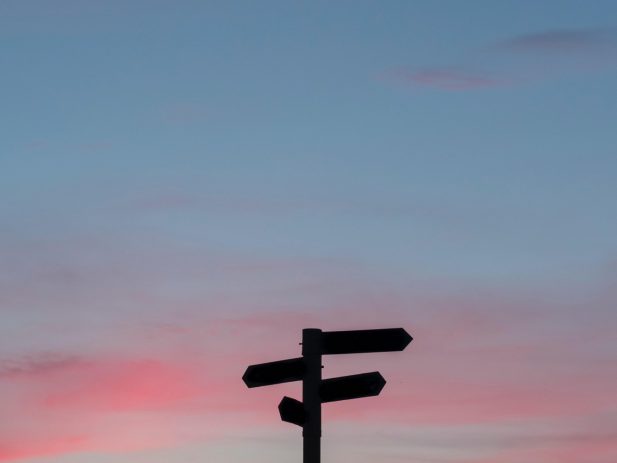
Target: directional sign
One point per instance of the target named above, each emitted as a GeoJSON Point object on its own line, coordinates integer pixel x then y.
{"type": "Point", "coordinates": [265, 374]}
{"type": "Point", "coordinates": [361, 341]}
{"type": "Point", "coordinates": [351, 387]}
{"type": "Point", "coordinates": [292, 411]}
{"type": "Point", "coordinates": [315, 390]}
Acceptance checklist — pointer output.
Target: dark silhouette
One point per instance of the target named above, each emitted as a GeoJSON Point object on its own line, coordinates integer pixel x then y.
{"type": "Point", "coordinates": [316, 391]}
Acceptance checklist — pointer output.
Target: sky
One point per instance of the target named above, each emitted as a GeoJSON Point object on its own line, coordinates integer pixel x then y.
{"type": "Point", "coordinates": [187, 184]}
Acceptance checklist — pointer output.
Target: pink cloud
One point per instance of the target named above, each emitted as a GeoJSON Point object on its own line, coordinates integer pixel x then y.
{"type": "Point", "coordinates": [523, 59]}
{"type": "Point", "coordinates": [450, 79]}
{"type": "Point", "coordinates": [166, 202]}
{"type": "Point", "coordinates": [55, 404]}
{"type": "Point", "coordinates": [593, 446]}
{"type": "Point", "coordinates": [28, 448]}
{"type": "Point", "coordinates": [180, 114]}
{"type": "Point", "coordinates": [563, 41]}
{"type": "Point", "coordinates": [38, 365]}
{"type": "Point", "coordinates": [123, 386]}
{"type": "Point", "coordinates": [441, 214]}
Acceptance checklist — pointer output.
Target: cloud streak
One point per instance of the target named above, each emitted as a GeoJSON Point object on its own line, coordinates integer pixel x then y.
{"type": "Point", "coordinates": [38, 366]}
{"type": "Point", "coordinates": [449, 79]}
{"type": "Point", "coordinates": [569, 41]}
{"type": "Point", "coordinates": [522, 59]}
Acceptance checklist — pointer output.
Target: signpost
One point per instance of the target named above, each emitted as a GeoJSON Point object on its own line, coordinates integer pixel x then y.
{"type": "Point", "coordinates": [316, 390]}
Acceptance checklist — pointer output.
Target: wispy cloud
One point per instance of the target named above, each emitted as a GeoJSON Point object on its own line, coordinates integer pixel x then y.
{"type": "Point", "coordinates": [449, 79]}
{"type": "Point", "coordinates": [563, 41]}
{"type": "Point", "coordinates": [38, 365]}
{"type": "Point", "coordinates": [436, 213]}
{"type": "Point", "coordinates": [182, 114]}
{"type": "Point", "coordinates": [521, 59]}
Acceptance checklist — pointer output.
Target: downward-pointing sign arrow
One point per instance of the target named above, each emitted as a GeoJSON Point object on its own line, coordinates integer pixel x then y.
{"type": "Point", "coordinates": [292, 411]}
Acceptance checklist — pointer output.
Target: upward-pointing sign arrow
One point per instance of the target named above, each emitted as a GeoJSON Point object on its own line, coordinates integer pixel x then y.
{"type": "Point", "coordinates": [362, 341]}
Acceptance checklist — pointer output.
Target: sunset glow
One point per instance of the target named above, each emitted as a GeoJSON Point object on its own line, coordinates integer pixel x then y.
{"type": "Point", "coordinates": [187, 185]}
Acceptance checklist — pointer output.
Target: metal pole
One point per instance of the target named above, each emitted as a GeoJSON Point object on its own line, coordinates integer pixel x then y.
{"type": "Point", "coordinates": [311, 431]}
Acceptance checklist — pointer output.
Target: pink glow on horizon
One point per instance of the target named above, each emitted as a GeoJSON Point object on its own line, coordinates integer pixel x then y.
{"type": "Point", "coordinates": [129, 385]}
{"type": "Point", "coordinates": [476, 359]}
{"type": "Point", "coordinates": [17, 450]}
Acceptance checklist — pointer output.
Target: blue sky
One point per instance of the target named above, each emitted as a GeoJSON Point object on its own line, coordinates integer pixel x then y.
{"type": "Point", "coordinates": [186, 167]}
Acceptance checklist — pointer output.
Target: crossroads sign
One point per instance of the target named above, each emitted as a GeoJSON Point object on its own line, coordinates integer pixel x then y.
{"type": "Point", "coordinates": [316, 390]}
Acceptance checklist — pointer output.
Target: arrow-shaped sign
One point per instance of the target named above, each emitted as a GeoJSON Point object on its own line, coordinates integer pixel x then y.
{"type": "Point", "coordinates": [282, 371]}
{"type": "Point", "coordinates": [351, 387]}
{"type": "Point", "coordinates": [292, 411]}
{"type": "Point", "coordinates": [361, 341]}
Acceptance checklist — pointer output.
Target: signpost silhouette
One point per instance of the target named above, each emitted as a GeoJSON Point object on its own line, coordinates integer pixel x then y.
{"type": "Point", "coordinates": [316, 390]}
